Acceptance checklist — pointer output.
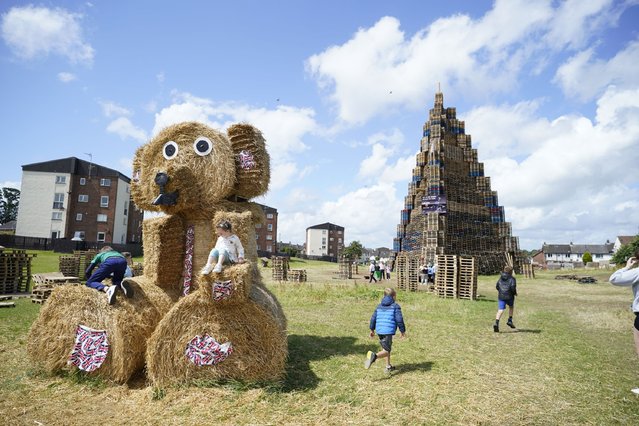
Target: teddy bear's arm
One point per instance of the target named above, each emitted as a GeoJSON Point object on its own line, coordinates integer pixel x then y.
{"type": "Point", "coordinates": [164, 248]}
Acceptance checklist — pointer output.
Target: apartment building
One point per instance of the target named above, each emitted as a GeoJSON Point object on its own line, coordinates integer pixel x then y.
{"type": "Point", "coordinates": [325, 239]}
{"type": "Point", "coordinates": [70, 197]}
{"type": "Point", "coordinates": [266, 233]}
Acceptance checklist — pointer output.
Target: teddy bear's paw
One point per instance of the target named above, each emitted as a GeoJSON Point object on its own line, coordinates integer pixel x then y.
{"type": "Point", "coordinates": [233, 284]}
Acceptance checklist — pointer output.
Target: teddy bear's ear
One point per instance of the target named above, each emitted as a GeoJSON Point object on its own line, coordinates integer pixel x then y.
{"type": "Point", "coordinates": [252, 162]}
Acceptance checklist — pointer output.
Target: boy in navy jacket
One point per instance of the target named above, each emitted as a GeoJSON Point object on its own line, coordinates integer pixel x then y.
{"type": "Point", "coordinates": [386, 319]}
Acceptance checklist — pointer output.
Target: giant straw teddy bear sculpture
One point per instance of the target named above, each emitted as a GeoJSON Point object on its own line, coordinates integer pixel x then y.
{"type": "Point", "coordinates": [180, 325]}
{"type": "Point", "coordinates": [224, 325]}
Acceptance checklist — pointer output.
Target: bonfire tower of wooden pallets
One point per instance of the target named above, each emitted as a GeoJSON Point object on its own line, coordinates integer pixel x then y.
{"type": "Point", "coordinates": [450, 208]}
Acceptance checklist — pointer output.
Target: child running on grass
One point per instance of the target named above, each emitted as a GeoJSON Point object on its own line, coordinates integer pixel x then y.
{"type": "Point", "coordinates": [507, 290]}
{"type": "Point", "coordinates": [385, 321]}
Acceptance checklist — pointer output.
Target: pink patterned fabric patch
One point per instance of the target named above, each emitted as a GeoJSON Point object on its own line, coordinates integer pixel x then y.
{"type": "Point", "coordinates": [90, 349]}
{"type": "Point", "coordinates": [222, 290]}
{"type": "Point", "coordinates": [205, 350]}
{"type": "Point", "coordinates": [247, 161]}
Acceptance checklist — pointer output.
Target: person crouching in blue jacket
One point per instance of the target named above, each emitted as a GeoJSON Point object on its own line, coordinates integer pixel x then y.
{"type": "Point", "coordinates": [385, 321]}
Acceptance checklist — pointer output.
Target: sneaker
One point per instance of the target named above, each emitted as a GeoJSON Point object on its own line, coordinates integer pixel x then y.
{"type": "Point", "coordinates": [635, 391]}
{"type": "Point", "coordinates": [110, 292]}
{"type": "Point", "coordinates": [496, 328]}
{"type": "Point", "coordinates": [218, 268]}
{"type": "Point", "coordinates": [127, 289]}
{"type": "Point", "coordinates": [510, 324]}
{"type": "Point", "coordinates": [390, 368]}
{"type": "Point", "coordinates": [206, 270]}
{"type": "Point", "coordinates": [370, 359]}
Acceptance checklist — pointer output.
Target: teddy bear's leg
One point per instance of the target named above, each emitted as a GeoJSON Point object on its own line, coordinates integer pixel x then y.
{"type": "Point", "coordinates": [76, 318]}
{"type": "Point", "coordinates": [200, 339]}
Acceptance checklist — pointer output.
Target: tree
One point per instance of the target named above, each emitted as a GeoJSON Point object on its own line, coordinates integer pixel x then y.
{"type": "Point", "coordinates": [353, 251]}
{"type": "Point", "coordinates": [9, 200]}
{"type": "Point", "coordinates": [587, 257]}
{"type": "Point", "coordinates": [626, 251]}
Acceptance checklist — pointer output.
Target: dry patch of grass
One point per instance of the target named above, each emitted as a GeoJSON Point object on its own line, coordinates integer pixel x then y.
{"type": "Point", "coordinates": [570, 361]}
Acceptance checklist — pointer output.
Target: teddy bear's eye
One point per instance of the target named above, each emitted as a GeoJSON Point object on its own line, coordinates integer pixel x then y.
{"type": "Point", "coordinates": [170, 150]}
{"type": "Point", "coordinates": [202, 145]}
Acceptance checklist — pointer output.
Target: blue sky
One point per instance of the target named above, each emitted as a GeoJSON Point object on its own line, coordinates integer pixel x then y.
{"type": "Point", "coordinates": [549, 91]}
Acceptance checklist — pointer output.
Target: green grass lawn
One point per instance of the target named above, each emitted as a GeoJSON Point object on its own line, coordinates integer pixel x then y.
{"type": "Point", "coordinates": [570, 361]}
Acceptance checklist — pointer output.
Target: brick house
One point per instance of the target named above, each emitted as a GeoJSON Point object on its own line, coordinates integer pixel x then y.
{"type": "Point", "coordinates": [69, 198]}
{"type": "Point", "coordinates": [266, 233]}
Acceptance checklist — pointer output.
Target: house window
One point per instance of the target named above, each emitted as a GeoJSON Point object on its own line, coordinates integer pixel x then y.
{"type": "Point", "coordinates": [269, 215]}
{"type": "Point", "coordinates": [83, 181]}
{"type": "Point", "coordinates": [105, 182]}
{"type": "Point", "coordinates": [258, 226]}
{"type": "Point", "coordinates": [269, 248]}
{"type": "Point", "coordinates": [78, 217]}
{"type": "Point", "coordinates": [124, 222]}
{"type": "Point", "coordinates": [60, 179]}
{"type": "Point", "coordinates": [56, 216]}
{"type": "Point", "coordinates": [257, 237]}
{"type": "Point", "coordinates": [269, 227]}
{"type": "Point", "coordinates": [55, 234]}
{"type": "Point", "coordinates": [269, 237]}
{"type": "Point", "coordinates": [339, 232]}
{"type": "Point", "coordinates": [126, 208]}
{"type": "Point", "coordinates": [339, 240]}
{"type": "Point", "coordinates": [82, 198]}
{"type": "Point", "coordinates": [58, 200]}
{"type": "Point", "coordinates": [104, 201]}
{"type": "Point", "coordinates": [101, 236]}
{"type": "Point", "coordinates": [331, 238]}
{"type": "Point", "coordinates": [102, 218]}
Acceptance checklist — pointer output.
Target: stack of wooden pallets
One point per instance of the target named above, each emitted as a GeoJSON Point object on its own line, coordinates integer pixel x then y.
{"type": "Point", "coordinates": [297, 275]}
{"type": "Point", "coordinates": [446, 279]}
{"type": "Point", "coordinates": [467, 287]}
{"type": "Point", "coordinates": [15, 271]}
{"type": "Point", "coordinates": [44, 284]}
{"type": "Point", "coordinates": [280, 268]}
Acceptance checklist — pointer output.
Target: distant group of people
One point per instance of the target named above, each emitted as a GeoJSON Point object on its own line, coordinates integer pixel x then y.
{"type": "Point", "coordinates": [379, 269]}
{"type": "Point", "coordinates": [427, 272]}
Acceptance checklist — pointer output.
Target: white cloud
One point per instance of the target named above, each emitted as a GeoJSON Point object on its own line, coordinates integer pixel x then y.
{"type": "Point", "coordinates": [123, 127]}
{"type": "Point", "coordinates": [381, 70]}
{"type": "Point", "coordinates": [126, 166]}
{"type": "Point", "coordinates": [32, 32]}
{"type": "Point", "coordinates": [66, 77]}
{"type": "Point", "coordinates": [572, 176]}
{"type": "Point", "coordinates": [10, 184]}
{"type": "Point", "coordinates": [111, 109]}
{"type": "Point", "coordinates": [284, 128]}
{"type": "Point", "coordinates": [353, 212]}
{"type": "Point", "coordinates": [585, 77]}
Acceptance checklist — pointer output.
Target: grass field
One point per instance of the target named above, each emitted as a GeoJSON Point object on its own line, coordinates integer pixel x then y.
{"type": "Point", "coordinates": [570, 361]}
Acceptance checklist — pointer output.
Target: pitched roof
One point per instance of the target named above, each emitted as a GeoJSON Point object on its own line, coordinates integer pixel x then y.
{"type": "Point", "coordinates": [626, 239]}
{"type": "Point", "coordinates": [578, 248]}
{"type": "Point", "coordinates": [74, 166]}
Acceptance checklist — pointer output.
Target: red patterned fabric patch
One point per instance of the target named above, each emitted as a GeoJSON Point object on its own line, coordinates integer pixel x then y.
{"type": "Point", "coordinates": [90, 349]}
{"type": "Point", "coordinates": [222, 290]}
{"type": "Point", "coordinates": [205, 350]}
{"type": "Point", "coordinates": [247, 161]}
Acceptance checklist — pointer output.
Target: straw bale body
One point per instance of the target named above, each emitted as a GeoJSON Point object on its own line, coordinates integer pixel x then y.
{"type": "Point", "coordinates": [128, 324]}
{"type": "Point", "coordinates": [198, 176]}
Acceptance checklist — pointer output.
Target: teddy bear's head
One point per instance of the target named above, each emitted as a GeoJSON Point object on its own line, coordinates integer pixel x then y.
{"type": "Point", "coordinates": [189, 167]}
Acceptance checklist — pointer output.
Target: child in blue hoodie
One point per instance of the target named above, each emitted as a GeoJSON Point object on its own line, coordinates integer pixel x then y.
{"type": "Point", "coordinates": [385, 321]}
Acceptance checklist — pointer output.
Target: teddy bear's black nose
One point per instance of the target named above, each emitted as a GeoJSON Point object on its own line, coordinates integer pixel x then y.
{"type": "Point", "coordinates": [161, 178]}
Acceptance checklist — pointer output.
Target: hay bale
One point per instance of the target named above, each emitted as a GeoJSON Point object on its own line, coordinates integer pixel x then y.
{"type": "Point", "coordinates": [128, 323]}
{"type": "Point", "coordinates": [267, 301]}
{"type": "Point", "coordinates": [259, 343]}
{"type": "Point", "coordinates": [252, 160]}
